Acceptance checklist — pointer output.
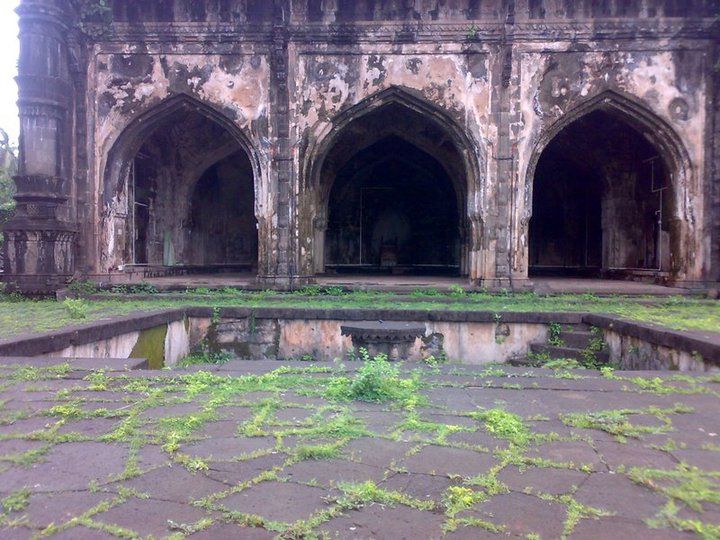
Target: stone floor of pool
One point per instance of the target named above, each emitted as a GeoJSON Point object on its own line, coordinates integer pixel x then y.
{"type": "Point", "coordinates": [247, 450]}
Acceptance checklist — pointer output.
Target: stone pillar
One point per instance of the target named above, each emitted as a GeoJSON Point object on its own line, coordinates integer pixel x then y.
{"type": "Point", "coordinates": [320, 224]}
{"type": "Point", "coordinates": [280, 267]}
{"type": "Point", "coordinates": [39, 244]}
{"type": "Point", "coordinates": [498, 227]}
{"type": "Point", "coordinates": [712, 188]}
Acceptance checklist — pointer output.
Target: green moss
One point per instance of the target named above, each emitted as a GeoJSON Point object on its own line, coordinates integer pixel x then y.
{"type": "Point", "coordinates": [357, 495]}
{"type": "Point", "coordinates": [668, 517]}
{"type": "Point", "coordinates": [503, 424]}
{"type": "Point", "coordinates": [414, 423]}
{"type": "Point", "coordinates": [318, 451]}
{"type": "Point", "coordinates": [151, 345]}
{"type": "Point", "coordinates": [616, 422]}
{"type": "Point", "coordinates": [16, 501]}
{"type": "Point", "coordinates": [453, 524]}
{"type": "Point", "coordinates": [685, 484]}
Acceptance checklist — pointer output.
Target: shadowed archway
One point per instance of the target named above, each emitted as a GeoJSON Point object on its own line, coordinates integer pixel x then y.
{"type": "Point", "coordinates": [391, 187]}
{"type": "Point", "coordinates": [605, 195]}
{"type": "Point", "coordinates": [179, 190]}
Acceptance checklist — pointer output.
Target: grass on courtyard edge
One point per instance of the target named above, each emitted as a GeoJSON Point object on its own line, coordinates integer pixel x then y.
{"type": "Point", "coordinates": [18, 316]}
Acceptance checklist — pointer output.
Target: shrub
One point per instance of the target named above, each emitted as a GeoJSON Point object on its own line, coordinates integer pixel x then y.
{"type": "Point", "coordinates": [205, 356]}
{"type": "Point", "coordinates": [6, 296]}
{"type": "Point", "coordinates": [309, 290]}
{"type": "Point", "coordinates": [376, 381]}
{"type": "Point", "coordinates": [83, 287]}
{"type": "Point", "coordinates": [503, 424]}
{"type": "Point", "coordinates": [77, 309]}
{"type": "Point", "coordinates": [143, 288]}
{"type": "Point", "coordinates": [334, 291]}
{"type": "Point", "coordinates": [456, 291]}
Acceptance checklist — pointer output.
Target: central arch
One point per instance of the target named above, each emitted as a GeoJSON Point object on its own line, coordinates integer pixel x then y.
{"type": "Point", "coordinates": [391, 190]}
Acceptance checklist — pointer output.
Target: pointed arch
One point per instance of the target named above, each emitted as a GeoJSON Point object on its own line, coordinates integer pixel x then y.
{"type": "Point", "coordinates": [322, 161]}
{"type": "Point", "coordinates": [671, 150]}
{"type": "Point", "coordinates": [632, 112]}
{"type": "Point", "coordinates": [174, 118]}
{"type": "Point", "coordinates": [131, 138]}
{"type": "Point", "coordinates": [318, 150]}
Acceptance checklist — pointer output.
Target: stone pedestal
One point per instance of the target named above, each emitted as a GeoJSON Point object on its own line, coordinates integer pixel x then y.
{"type": "Point", "coordinates": [394, 339]}
{"type": "Point", "coordinates": [39, 249]}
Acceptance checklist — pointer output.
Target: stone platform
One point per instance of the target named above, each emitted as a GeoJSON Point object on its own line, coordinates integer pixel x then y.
{"type": "Point", "coordinates": [408, 284]}
{"type": "Point", "coordinates": [230, 452]}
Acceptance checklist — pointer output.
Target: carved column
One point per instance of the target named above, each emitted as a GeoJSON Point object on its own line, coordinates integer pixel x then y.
{"type": "Point", "coordinates": [39, 243]}
{"type": "Point", "coordinates": [498, 272]}
{"type": "Point", "coordinates": [280, 267]}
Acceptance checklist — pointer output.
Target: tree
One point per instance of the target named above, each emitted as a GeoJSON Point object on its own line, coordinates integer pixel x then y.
{"type": "Point", "coordinates": [8, 168]}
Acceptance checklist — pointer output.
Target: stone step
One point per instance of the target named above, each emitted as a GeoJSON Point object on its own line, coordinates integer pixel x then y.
{"type": "Point", "coordinates": [576, 340]}
{"type": "Point", "coordinates": [565, 352]}
{"type": "Point", "coordinates": [572, 328]}
{"type": "Point", "coordinates": [523, 361]}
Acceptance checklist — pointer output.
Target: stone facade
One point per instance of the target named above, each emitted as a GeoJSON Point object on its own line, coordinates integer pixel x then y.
{"type": "Point", "coordinates": [124, 112]}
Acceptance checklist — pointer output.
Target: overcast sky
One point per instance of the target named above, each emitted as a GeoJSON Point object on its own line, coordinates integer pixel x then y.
{"type": "Point", "coordinates": [9, 50]}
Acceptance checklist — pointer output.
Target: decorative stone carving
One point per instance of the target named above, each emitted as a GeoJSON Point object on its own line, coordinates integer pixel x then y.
{"type": "Point", "coordinates": [679, 109]}
{"type": "Point", "coordinates": [394, 339]}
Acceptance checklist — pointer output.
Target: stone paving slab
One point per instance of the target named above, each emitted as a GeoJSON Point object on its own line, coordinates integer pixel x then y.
{"type": "Point", "coordinates": [266, 449]}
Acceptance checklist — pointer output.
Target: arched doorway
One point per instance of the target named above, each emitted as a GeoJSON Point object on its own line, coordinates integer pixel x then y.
{"type": "Point", "coordinates": [187, 182]}
{"type": "Point", "coordinates": [603, 203]}
{"type": "Point", "coordinates": [392, 195]}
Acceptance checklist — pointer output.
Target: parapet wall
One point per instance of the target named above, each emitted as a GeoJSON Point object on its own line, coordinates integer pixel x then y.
{"type": "Point", "coordinates": [283, 334]}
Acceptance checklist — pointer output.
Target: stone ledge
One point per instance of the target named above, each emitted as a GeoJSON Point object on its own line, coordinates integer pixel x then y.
{"type": "Point", "coordinates": [50, 342]}
{"type": "Point", "coordinates": [361, 314]}
{"type": "Point", "coordinates": [705, 344]}
{"type": "Point", "coordinates": [77, 364]}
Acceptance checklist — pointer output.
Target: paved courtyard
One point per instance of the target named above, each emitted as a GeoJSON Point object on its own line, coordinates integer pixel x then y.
{"type": "Point", "coordinates": [300, 450]}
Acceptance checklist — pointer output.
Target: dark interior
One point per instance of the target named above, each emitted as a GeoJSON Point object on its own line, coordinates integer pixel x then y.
{"type": "Point", "coordinates": [601, 202]}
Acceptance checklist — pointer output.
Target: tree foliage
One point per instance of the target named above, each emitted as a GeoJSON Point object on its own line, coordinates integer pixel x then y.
{"type": "Point", "coordinates": [8, 168]}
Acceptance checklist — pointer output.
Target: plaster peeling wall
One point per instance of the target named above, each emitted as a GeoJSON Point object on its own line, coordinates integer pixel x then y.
{"type": "Point", "coordinates": [327, 82]}
{"type": "Point", "coordinates": [631, 353]}
{"type": "Point", "coordinates": [116, 347]}
{"type": "Point", "coordinates": [284, 73]}
{"type": "Point", "coordinates": [333, 80]}
{"type": "Point", "coordinates": [128, 84]}
{"type": "Point", "coordinates": [556, 78]}
{"type": "Point", "coordinates": [177, 342]}
{"type": "Point", "coordinates": [468, 343]}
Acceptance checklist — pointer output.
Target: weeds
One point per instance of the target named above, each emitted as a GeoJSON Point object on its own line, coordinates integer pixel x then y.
{"type": "Point", "coordinates": [376, 381]}
{"type": "Point", "coordinates": [554, 332]}
{"type": "Point", "coordinates": [16, 501]}
{"type": "Point", "coordinates": [76, 308]}
{"type": "Point", "coordinates": [616, 422]}
{"type": "Point", "coordinates": [504, 424]}
{"type": "Point", "coordinates": [83, 287]}
{"type": "Point", "coordinates": [206, 356]}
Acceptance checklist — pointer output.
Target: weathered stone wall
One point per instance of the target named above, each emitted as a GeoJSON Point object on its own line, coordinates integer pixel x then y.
{"type": "Point", "coordinates": [161, 346]}
{"type": "Point", "coordinates": [631, 353]}
{"type": "Point", "coordinates": [469, 343]}
{"type": "Point", "coordinates": [500, 78]}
